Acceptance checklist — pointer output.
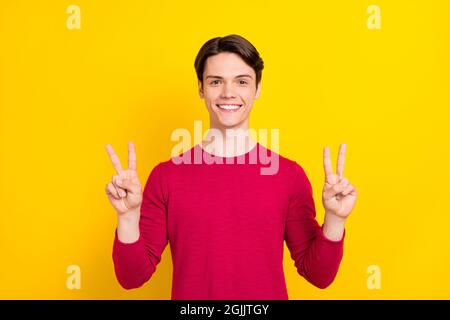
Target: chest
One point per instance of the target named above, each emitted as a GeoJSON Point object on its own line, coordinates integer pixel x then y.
{"type": "Point", "coordinates": [229, 200]}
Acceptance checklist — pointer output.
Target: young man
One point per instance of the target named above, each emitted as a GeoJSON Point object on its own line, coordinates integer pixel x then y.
{"type": "Point", "coordinates": [225, 221]}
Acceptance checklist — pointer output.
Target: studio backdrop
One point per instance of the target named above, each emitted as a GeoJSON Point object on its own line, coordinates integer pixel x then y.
{"type": "Point", "coordinates": [77, 75]}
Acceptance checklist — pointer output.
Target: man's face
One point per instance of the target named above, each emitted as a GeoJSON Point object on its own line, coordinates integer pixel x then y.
{"type": "Point", "coordinates": [229, 90]}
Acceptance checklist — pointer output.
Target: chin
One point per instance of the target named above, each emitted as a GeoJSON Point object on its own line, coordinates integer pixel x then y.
{"type": "Point", "coordinates": [229, 124]}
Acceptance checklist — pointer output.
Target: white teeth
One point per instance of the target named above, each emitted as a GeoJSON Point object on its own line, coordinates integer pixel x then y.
{"type": "Point", "coordinates": [229, 106]}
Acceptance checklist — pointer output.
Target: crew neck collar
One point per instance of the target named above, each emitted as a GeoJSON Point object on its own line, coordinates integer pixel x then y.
{"type": "Point", "coordinates": [253, 149]}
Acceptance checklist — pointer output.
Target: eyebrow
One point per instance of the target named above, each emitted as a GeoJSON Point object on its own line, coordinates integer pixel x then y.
{"type": "Point", "coordinates": [238, 76]}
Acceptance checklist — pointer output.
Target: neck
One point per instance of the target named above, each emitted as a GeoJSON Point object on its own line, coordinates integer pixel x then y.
{"type": "Point", "coordinates": [228, 142]}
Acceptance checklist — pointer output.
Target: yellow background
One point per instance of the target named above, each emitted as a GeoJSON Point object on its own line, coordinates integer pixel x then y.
{"type": "Point", "coordinates": [128, 74]}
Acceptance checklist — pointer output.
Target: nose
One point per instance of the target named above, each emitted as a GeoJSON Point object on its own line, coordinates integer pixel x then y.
{"type": "Point", "coordinates": [227, 91]}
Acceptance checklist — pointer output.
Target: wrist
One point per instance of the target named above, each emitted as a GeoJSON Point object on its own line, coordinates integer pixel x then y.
{"type": "Point", "coordinates": [333, 218]}
{"type": "Point", "coordinates": [128, 230]}
{"type": "Point", "coordinates": [333, 226]}
{"type": "Point", "coordinates": [130, 217]}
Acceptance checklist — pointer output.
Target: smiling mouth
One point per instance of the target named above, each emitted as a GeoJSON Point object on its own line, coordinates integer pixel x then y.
{"type": "Point", "coordinates": [229, 107]}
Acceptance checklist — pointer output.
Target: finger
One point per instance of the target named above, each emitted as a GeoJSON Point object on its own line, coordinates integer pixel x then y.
{"type": "Point", "coordinates": [327, 162]}
{"type": "Point", "coordinates": [337, 188]}
{"type": "Point", "coordinates": [348, 189]}
{"type": "Point", "coordinates": [114, 158]}
{"type": "Point", "coordinates": [344, 182]}
{"type": "Point", "coordinates": [332, 191]}
{"type": "Point", "coordinates": [130, 186]}
{"type": "Point", "coordinates": [341, 160]}
{"type": "Point", "coordinates": [131, 156]}
{"type": "Point", "coordinates": [121, 191]}
{"type": "Point", "coordinates": [110, 190]}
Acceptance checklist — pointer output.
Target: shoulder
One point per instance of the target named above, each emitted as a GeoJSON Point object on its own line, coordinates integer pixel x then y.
{"type": "Point", "coordinates": [293, 174]}
{"type": "Point", "coordinates": [161, 169]}
{"type": "Point", "coordinates": [287, 166]}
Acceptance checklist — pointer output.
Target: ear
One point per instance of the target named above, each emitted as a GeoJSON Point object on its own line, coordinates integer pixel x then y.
{"type": "Point", "coordinates": [258, 90]}
{"type": "Point", "coordinates": [200, 89]}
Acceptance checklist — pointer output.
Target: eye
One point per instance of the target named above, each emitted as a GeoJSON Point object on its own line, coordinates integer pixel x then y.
{"type": "Point", "coordinates": [214, 82]}
{"type": "Point", "coordinates": [242, 82]}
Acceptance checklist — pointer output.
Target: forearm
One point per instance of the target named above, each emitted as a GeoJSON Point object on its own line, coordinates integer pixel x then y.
{"type": "Point", "coordinates": [128, 228]}
{"type": "Point", "coordinates": [333, 226]}
{"type": "Point", "coordinates": [320, 262]}
{"type": "Point", "coordinates": [132, 266]}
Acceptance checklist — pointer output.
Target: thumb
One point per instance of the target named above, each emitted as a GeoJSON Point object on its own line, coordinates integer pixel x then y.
{"type": "Point", "coordinates": [331, 191]}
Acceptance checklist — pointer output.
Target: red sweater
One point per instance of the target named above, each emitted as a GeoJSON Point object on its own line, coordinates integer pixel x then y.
{"type": "Point", "coordinates": [226, 225]}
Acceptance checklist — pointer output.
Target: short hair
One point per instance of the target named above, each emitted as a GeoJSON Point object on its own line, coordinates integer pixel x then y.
{"type": "Point", "coordinates": [231, 43]}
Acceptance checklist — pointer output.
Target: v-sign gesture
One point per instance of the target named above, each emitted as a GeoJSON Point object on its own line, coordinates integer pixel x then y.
{"type": "Point", "coordinates": [124, 191]}
{"type": "Point", "coordinates": [338, 195]}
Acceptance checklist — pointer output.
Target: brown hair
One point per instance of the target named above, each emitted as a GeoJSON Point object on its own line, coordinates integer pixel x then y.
{"type": "Point", "coordinates": [232, 43]}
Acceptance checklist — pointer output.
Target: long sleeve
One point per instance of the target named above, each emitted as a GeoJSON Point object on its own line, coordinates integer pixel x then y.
{"type": "Point", "coordinates": [316, 257]}
{"type": "Point", "coordinates": [134, 263]}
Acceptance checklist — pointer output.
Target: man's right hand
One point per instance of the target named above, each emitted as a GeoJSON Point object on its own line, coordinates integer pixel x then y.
{"type": "Point", "coordinates": [124, 191]}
